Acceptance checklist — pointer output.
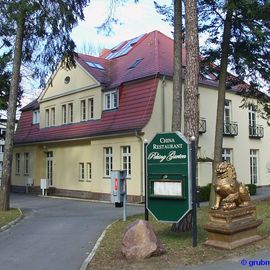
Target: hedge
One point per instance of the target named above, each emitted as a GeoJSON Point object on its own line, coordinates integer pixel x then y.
{"type": "Point", "coordinates": [252, 189]}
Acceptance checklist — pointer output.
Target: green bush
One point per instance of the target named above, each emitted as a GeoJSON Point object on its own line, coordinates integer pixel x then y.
{"type": "Point", "coordinates": [204, 193]}
{"type": "Point", "coordinates": [252, 189]}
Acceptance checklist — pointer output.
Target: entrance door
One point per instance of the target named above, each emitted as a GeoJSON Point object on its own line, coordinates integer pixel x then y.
{"type": "Point", "coordinates": [49, 167]}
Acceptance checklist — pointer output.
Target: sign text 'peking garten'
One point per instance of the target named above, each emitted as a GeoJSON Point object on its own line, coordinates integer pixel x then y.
{"type": "Point", "coordinates": [166, 144]}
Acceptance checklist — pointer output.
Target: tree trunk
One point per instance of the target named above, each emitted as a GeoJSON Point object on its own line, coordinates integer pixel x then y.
{"type": "Point", "coordinates": [221, 94]}
{"type": "Point", "coordinates": [191, 108]}
{"type": "Point", "coordinates": [11, 117]}
{"type": "Point", "coordinates": [191, 94]}
{"type": "Point", "coordinates": [177, 67]}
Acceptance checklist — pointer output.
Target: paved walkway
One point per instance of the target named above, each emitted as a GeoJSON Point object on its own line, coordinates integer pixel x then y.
{"type": "Point", "coordinates": [55, 234]}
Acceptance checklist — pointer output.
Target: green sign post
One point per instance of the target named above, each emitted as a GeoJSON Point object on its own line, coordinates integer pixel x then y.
{"type": "Point", "coordinates": [168, 177]}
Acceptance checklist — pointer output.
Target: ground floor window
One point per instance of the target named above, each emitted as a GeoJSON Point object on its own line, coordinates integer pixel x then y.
{"type": "Point", "coordinates": [227, 155]}
{"type": "Point", "coordinates": [253, 163]}
{"type": "Point", "coordinates": [1, 168]}
{"type": "Point", "coordinates": [49, 167]}
{"type": "Point", "coordinates": [18, 163]}
{"type": "Point", "coordinates": [108, 161]}
{"type": "Point", "coordinates": [89, 171]}
{"type": "Point", "coordinates": [126, 159]}
{"type": "Point", "coordinates": [26, 164]}
{"type": "Point", "coordinates": [81, 171]}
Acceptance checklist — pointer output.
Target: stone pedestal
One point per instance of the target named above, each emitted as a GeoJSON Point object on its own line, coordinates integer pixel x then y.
{"type": "Point", "coordinates": [232, 228]}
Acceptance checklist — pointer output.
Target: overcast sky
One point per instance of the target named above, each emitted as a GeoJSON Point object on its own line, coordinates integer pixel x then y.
{"type": "Point", "coordinates": [136, 19]}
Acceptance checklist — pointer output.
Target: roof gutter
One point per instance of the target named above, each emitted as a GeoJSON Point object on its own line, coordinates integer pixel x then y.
{"type": "Point", "coordinates": [97, 137]}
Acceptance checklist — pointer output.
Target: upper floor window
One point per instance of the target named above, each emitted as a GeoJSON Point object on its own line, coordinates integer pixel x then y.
{"type": "Point", "coordinates": [36, 117]}
{"type": "Point", "coordinates": [53, 116]}
{"type": "Point", "coordinates": [227, 111]}
{"type": "Point", "coordinates": [2, 147]}
{"type": "Point", "coordinates": [252, 115]}
{"type": "Point", "coordinates": [91, 108]}
{"type": "Point", "coordinates": [47, 118]}
{"type": "Point", "coordinates": [64, 114]}
{"type": "Point", "coordinates": [110, 100]}
{"type": "Point", "coordinates": [83, 110]}
{"type": "Point", "coordinates": [70, 112]}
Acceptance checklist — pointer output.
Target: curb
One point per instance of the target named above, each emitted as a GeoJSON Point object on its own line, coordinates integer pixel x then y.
{"type": "Point", "coordinates": [93, 252]}
{"type": "Point", "coordinates": [14, 222]}
{"type": "Point", "coordinates": [85, 200]}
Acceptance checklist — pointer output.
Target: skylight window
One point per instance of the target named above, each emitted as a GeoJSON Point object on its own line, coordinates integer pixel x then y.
{"type": "Point", "coordinates": [94, 65]}
{"type": "Point", "coordinates": [124, 49]}
{"type": "Point", "coordinates": [117, 46]}
{"type": "Point", "coordinates": [207, 76]}
{"type": "Point", "coordinates": [135, 63]}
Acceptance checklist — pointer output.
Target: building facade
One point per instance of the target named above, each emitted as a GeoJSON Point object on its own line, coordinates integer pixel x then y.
{"type": "Point", "coordinates": [96, 118]}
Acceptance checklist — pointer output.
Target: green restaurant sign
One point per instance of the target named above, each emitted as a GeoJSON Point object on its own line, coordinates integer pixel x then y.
{"type": "Point", "coordinates": [168, 177]}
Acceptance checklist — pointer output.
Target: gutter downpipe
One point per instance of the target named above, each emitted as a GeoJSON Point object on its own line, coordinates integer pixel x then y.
{"type": "Point", "coordinates": [142, 163]}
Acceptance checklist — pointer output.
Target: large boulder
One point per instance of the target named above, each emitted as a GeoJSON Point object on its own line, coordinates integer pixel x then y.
{"type": "Point", "coordinates": [140, 241]}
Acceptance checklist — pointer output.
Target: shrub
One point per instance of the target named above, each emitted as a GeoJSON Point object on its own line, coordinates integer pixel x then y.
{"type": "Point", "coordinates": [204, 194]}
{"type": "Point", "coordinates": [252, 189]}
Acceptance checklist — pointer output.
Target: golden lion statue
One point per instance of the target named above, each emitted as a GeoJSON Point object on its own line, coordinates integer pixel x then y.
{"type": "Point", "coordinates": [229, 193]}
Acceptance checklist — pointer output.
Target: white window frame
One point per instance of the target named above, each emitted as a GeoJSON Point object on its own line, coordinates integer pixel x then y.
{"type": "Point", "coordinates": [252, 116]}
{"type": "Point", "coordinates": [227, 116]}
{"type": "Point", "coordinates": [52, 116]}
{"type": "Point", "coordinates": [108, 161]}
{"type": "Point", "coordinates": [126, 159]}
{"type": "Point", "coordinates": [83, 110]}
{"type": "Point", "coordinates": [227, 155]}
{"type": "Point", "coordinates": [64, 114]}
{"type": "Point", "coordinates": [49, 167]}
{"type": "Point", "coordinates": [2, 148]}
{"type": "Point", "coordinates": [70, 112]}
{"type": "Point", "coordinates": [81, 171]}
{"type": "Point", "coordinates": [47, 118]}
{"type": "Point", "coordinates": [18, 163]}
{"type": "Point", "coordinates": [252, 120]}
{"type": "Point", "coordinates": [26, 164]}
{"type": "Point", "coordinates": [89, 170]}
{"type": "Point", "coordinates": [254, 166]}
{"type": "Point", "coordinates": [227, 111]}
{"type": "Point", "coordinates": [36, 117]}
{"type": "Point", "coordinates": [91, 108]}
{"type": "Point", "coordinates": [110, 100]}
{"type": "Point", "coordinates": [1, 168]}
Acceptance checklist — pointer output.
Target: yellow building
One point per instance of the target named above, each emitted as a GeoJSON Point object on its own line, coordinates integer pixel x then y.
{"type": "Point", "coordinates": [96, 117]}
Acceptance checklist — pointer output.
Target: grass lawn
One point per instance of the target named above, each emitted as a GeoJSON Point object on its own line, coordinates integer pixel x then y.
{"type": "Point", "coordinates": [8, 216]}
{"type": "Point", "coordinates": [179, 250]}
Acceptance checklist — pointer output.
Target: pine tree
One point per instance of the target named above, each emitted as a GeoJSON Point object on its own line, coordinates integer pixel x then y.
{"type": "Point", "coordinates": [238, 36]}
{"type": "Point", "coordinates": [244, 46]}
{"type": "Point", "coordinates": [41, 30]}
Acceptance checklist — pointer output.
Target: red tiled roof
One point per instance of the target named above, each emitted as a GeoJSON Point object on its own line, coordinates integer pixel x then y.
{"type": "Point", "coordinates": [135, 109]}
{"type": "Point", "coordinates": [155, 48]}
{"type": "Point", "coordinates": [136, 99]}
